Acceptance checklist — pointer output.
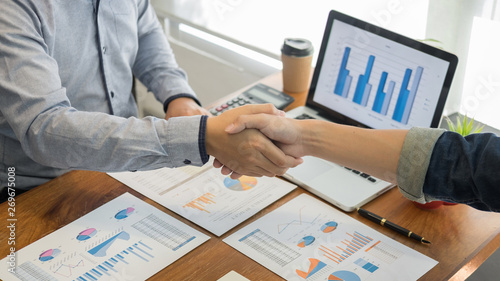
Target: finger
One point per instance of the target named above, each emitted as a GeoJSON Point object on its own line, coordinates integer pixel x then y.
{"type": "Point", "coordinates": [257, 121]}
{"type": "Point", "coordinates": [235, 175]}
{"type": "Point", "coordinates": [217, 164]}
{"type": "Point", "coordinates": [226, 171]}
{"type": "Point", "coordinates": [267, 108]}
{"type": "Point", "coordinates": [276, 156]}
{"type": "Point", "coordinates": [251, 166]}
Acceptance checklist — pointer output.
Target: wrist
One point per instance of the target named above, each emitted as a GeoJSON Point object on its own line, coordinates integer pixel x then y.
{"type": "Point", "coordinates": [179, 96]}
{"type": "Point", "coordinates": [310, 133]}
{"type": "Point", "coordinates": [210, 136]}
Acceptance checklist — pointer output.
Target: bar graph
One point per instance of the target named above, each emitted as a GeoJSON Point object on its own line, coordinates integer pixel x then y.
{"type": "Point", "coordinates": [137, 252]}
{"type": "Point", "coordinates": [382, 99]}
{"type": "Point", "coordinates": [366, 265]}
{"type": "Point", "coordinates": [407, 96]}
{"type": "Point", "coordinates": [201, 202]}
{"type": "Point", "coordinates": [390, 79]}
{"type": "Point", "coordinates": [364, 88]}
{"type": "Point", "coordinates": [344, 79]}
{"type": "Point", "coordinates": [347, 248]}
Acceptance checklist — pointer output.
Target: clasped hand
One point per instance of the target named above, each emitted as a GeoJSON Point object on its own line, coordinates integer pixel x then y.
{"type": "Point", "coordinates": [239, 148]}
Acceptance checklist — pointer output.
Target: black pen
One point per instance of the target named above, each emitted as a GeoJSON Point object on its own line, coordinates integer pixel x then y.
{"type": "Point", "coordinates": [383, 222]}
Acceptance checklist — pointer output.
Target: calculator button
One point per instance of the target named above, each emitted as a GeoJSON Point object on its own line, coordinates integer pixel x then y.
{"type": "Point", "coordinates": [242, 102]}
{"type": "Point", "coordinates": [224, 106]}
{"type": "Point", "coordinates": [219, 108]}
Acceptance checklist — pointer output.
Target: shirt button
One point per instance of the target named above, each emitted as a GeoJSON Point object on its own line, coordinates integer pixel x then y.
{"type": "Point", "coordinates": [103, 50]}
{"type": "Point", "coordinates": [112, 94]}
{"type": "Point", "coordinates": [187, 162]}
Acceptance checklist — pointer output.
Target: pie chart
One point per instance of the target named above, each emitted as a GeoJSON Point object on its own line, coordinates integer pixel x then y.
{"type": "Point", "coordinates": [49, 254]}
{"type": "Point", "coordinates": [125, 213]}
{"type": "Point", "coordinates": [241, 184]}
{"type": "Point", "coordinates": [306, 241]}
{"type": "Point", "coordinates": [329, 227]}
{"type": "Point", "coordinates": [343, 275]}
{"type": "Point", "coordinates": [86, 234]}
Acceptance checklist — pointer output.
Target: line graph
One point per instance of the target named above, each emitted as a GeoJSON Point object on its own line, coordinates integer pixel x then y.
{"type": "Point", "coordinates": [65, 270]}
{"type": "Point", "coordinates": [283, 226]}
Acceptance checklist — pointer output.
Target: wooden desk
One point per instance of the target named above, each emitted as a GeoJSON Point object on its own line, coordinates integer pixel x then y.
{"type": "Point", "coordinates": [462, 237]}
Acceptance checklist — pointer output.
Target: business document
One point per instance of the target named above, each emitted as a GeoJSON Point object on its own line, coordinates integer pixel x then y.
{"type": "Point", "coordinates": [125, 239]}
{"type": "Point", "coordinates": [306, 239]}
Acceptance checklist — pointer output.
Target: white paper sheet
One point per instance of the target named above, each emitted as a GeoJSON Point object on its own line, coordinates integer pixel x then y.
{"type": "Point", "coordinates": [204, 196]}
{"type": "Point", "coordinates": [125, 239]}
{"type": "Point", "coordinates": [306, 239]}
{"type": "Point", "coordinates": [233, 276]}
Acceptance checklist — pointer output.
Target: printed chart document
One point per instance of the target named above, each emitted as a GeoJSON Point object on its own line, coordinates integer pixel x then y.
{"type": "Point", "coordinates": [206, 197]}
{"type": "Point", "coordinates": [125, 239]}
{"type": "Point", "coordinates": [306, 239]}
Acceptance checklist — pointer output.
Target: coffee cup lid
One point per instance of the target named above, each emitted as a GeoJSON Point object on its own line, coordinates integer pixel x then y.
{"type": "Point", "coordinates": [297, 47]}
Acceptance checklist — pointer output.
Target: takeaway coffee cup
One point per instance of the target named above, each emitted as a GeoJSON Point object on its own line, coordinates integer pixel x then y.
{"type": "Point", "coordinates": [296, 55]}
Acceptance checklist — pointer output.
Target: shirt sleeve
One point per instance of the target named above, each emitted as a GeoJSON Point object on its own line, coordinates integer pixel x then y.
{"type": "Point", "coordinates": [414, 162]}
{"type": "Point", "coordinates": [465, 170]}
{"type": "Point", "coordinates": [155, 65]}
{"type": "Point", "coordinates": [36, 111]}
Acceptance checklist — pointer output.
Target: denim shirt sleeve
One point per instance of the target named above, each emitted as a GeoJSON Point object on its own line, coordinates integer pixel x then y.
{"type": "Point", "coordinates": [459, 169]}
{"type": "Point", "coordinates": [465, 170]}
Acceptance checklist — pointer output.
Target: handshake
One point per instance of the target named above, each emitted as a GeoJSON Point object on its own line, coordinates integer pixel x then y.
{"type": "Point", "coordinates": [255, 140]}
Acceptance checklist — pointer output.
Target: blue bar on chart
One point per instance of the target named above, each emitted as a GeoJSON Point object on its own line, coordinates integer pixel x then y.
{"type": "Point", "coordinates": [363, 88]}
{"type": "Point", "coordinates": [343, 79]}
{"type": "Point", "coordinates": [382, 99]}
{"type": "Point", "coordinates": [368, 266]}
{"type": "Point", "coordinates": [412, 95]}
{"type": "Point", "coordinates": [110, 264]}
{"type": "Point", "coordinates": [407, 97]}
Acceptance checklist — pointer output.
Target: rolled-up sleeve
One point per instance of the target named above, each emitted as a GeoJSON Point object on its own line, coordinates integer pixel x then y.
{"type": "Point", "coordinates": [414, 162]}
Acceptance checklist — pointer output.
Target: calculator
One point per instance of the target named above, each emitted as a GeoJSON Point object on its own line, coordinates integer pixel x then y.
{"type": "Point", "coordinates": [257, 94]}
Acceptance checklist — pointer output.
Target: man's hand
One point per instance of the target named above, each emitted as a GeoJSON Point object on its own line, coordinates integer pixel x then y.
{"type": "Point", "coordinates": [248, 152]}
{"type": "Point", "coordinates": [184, 107]}
{"type": "Point", "coordinates": [286, 133]}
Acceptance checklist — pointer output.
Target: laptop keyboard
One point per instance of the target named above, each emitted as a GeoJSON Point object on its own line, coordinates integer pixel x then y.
{"type": "Point", "coordinates": [304, 116]}
{"type": "Point", "coordinates": [366, 176]}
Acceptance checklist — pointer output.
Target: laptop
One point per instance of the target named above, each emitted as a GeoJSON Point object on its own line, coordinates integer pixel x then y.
{"type": "Point", "coordinates": [369, 77]}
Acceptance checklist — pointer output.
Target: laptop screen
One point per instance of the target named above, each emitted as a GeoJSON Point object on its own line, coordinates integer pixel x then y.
{"type": "Point", "coordinates": [375, 78]}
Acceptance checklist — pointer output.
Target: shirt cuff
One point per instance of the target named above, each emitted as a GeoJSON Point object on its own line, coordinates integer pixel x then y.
{"type": "Point", "coordinates": [201, 139]}
{"type": "Point", "coordinates": [170, 99]}
{"type": "Point", "coordinates": [414, 162]}
{"type": "Point", "coordinates": [185, 140]}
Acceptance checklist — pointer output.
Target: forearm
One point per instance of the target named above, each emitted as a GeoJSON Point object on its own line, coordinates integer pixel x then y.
{"type": "Point", "coordinates": [375, 152]}
{"type": "Point", "coordinates": [69, 139]}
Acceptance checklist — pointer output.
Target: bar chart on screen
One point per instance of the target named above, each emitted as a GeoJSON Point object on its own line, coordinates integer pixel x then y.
{"type": "Point", "coordinates": [376, 81]}
{"type": "Point", "coordinates": [380, 90]}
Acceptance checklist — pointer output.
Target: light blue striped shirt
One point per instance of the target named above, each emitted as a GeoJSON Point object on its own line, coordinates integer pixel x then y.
{"type": "Point", "coordinates": [66, 72]}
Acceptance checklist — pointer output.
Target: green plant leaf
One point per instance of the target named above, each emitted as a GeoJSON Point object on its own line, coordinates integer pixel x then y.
{"type": "Point", "coordinates": [464, 126]}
